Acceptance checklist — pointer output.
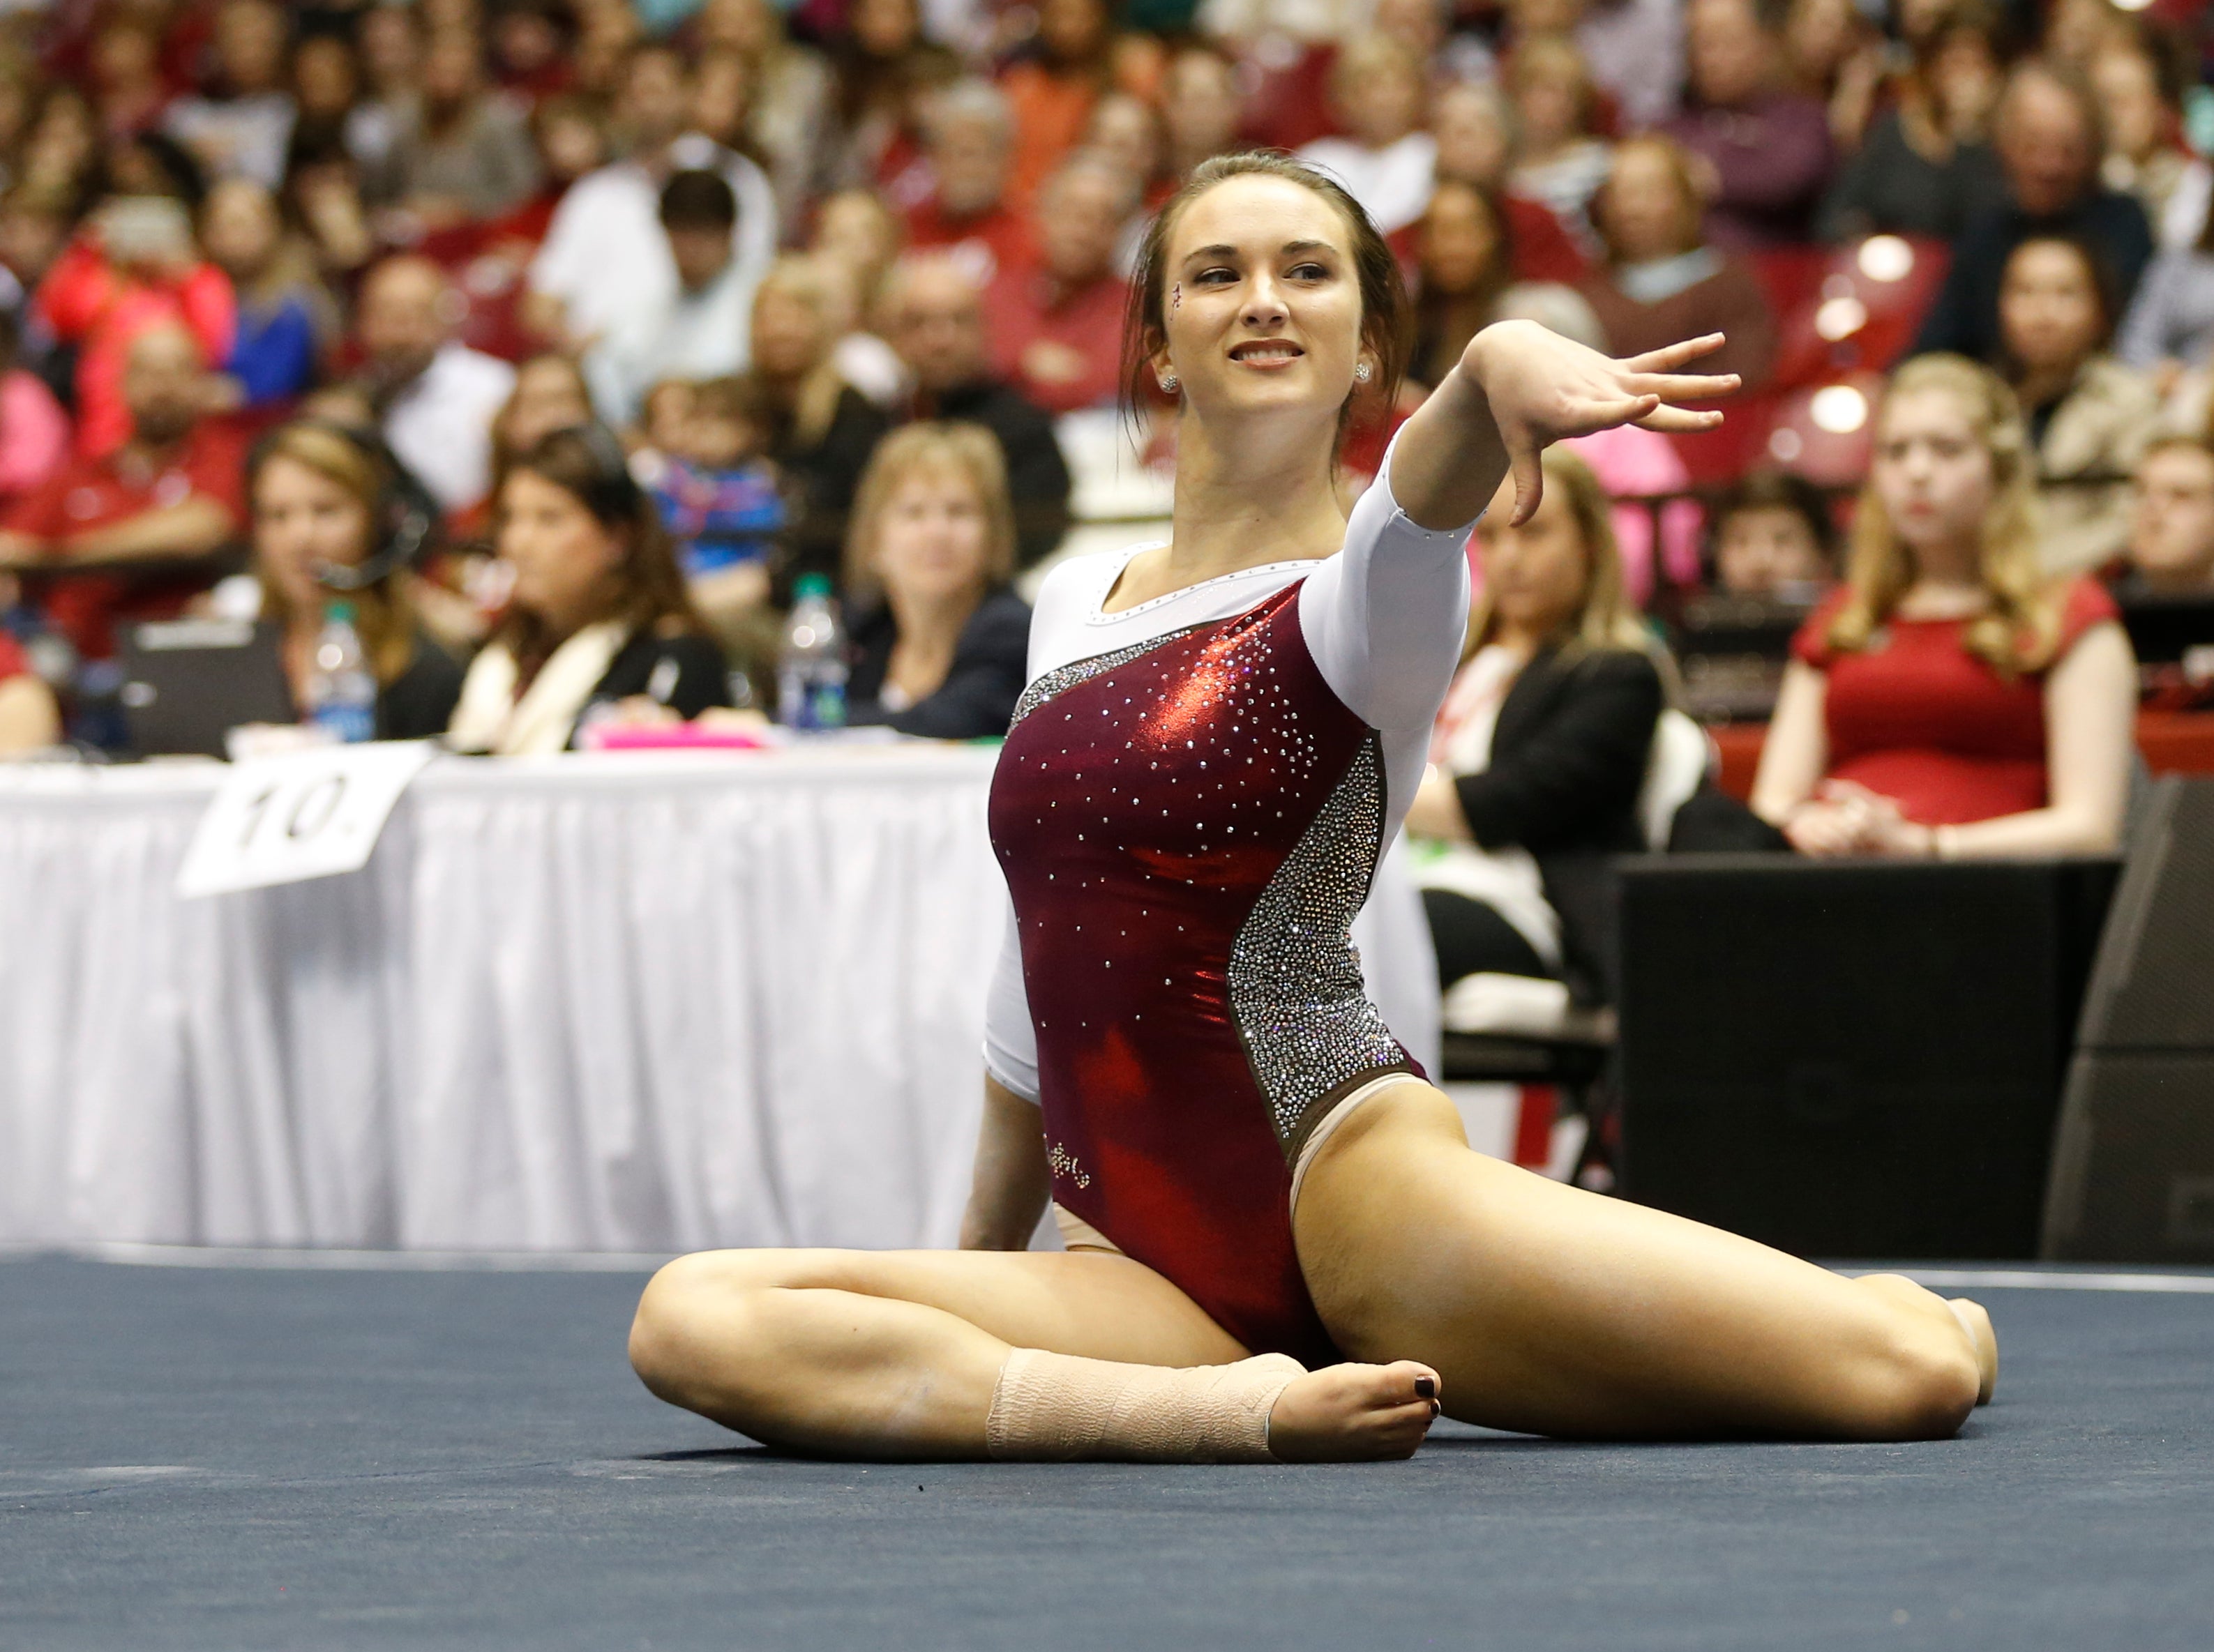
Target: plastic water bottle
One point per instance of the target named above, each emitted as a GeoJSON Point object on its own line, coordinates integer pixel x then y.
{"type": "Point", "coordinates": [341, 690]}
{"type": "Point", "coordinates": [810, 673]}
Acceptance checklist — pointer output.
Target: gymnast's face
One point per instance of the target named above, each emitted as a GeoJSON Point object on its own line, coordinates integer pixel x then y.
{"type": "Point", "coordinates": [1262, 308]}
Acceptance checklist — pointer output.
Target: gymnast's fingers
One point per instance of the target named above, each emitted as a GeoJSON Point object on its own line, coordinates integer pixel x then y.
{"type": "Point", "coordinates": [1668, 357]}
{"type": "Point", "coordinates": [1686, 386]}
{"type": "Point", "coordinates": [1664, 418]}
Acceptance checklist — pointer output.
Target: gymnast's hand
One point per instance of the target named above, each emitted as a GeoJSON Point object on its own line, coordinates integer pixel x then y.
{"type": "Point", "coordinates": [1542, 388]}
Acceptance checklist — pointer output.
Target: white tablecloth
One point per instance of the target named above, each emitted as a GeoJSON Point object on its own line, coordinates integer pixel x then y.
{"type": "Point", "coordinates": [623, 1003]}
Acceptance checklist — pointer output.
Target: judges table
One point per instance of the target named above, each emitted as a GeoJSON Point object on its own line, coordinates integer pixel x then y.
{"type": "Point", "coordinates": [626, 1002]}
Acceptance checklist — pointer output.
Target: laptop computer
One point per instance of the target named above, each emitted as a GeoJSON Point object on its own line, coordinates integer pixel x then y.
{"type": "Point", "coordinates": [1733, 650]}
{"type": "Point", "coordinates": [187, 683]}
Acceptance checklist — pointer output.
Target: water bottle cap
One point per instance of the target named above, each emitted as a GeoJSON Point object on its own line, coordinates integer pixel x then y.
{"type": "Point", "coordinates": [808, 585]}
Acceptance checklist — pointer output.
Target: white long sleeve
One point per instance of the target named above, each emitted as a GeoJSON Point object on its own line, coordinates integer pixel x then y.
{"type": "Point", "coordinates": [1010, 1036]}
{"type": "Point", "coordinates": [1385, 617]}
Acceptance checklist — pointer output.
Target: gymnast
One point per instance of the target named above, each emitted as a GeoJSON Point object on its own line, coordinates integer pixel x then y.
{"type": "Point", "coordinates": [1280, 1245]}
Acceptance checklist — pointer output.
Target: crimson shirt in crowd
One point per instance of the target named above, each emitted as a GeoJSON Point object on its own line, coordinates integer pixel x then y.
{"type": "Point", "coordinates": [1917, 719]}
{"type": "Point", "coordinates": [14, 662]}
{"type": "Point", "coordinates": [88, 494]}
{"type": "Point", "coordinates": [1026, 306]}
{"type": "Point", "coordinates": [92, 304]}
{"type": "Point", "coordinates": [995, 243]}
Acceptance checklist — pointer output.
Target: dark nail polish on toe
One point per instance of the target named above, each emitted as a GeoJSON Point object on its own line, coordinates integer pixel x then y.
{"type": "Point", "coordinates": [1435, 1409]}
{"type": "Point", "coordinates": [1427, 1388]}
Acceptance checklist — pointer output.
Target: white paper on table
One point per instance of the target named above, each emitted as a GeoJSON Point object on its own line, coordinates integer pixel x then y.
{"type": "Point", "coordinates": [300, 814]}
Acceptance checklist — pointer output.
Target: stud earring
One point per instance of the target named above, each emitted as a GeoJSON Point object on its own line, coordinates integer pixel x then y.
{"type": "Point", "coordinates": [1169, 382]}
{"type": "Point", "coordinates": [1361, 372]}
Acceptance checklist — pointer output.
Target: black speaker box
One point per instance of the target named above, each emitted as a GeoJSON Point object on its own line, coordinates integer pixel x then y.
{"type": "Point", "coordinates": [2133, 1160]}
{"type": "Point", "coordinates": [1852, 1059]}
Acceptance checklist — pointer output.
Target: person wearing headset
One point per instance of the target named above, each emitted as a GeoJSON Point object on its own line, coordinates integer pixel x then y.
{"type": "Point", "coordinates": [335, 518]}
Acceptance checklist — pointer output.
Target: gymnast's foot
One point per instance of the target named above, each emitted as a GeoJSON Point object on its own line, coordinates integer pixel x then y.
{"type": "Point", "coordinates": [1355, 1413]}
{"type": "Point", "coordinates": [1977, 1325]}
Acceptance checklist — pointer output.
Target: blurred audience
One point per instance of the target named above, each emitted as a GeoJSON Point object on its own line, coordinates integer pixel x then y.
{"type": "Point", "coordinates": [1952, 698]}
{"type": "Point", "coordinates": [30, 718]}
{"type": "Point", "coordinates": [169, 495]}
{"type": "Point", "coordinates": [1558, 158]}
{"type": "Point", "coordinates": [461, 151]}
{"type": "Point", "coordinates": [1926, 163]}
{"type": "Point", "coordinates": [1058, 324]}
{"type": "Point", "coordinates": [2048, 138]}
{"type": "Point", "coordinates": [2170, 553]}
{"type": "Point", "coordinates": [599, 622]}
{"type": "Point", "coordinates": [331, 522]}
{"type": "Point", "coordinates": [1774, 539]}
{"type": "Point", "coordinates": [1635, 48]}
{"type": "Point", "coordinates": [605, 257]}
{"type": "Point", "coordinates": [821, 429]}
{"type": "Point", "coordinates": [1663, 281]}
{"type": "Point", "coordinates": [1470, 124]}
{"type": "Point", "coordinates": [1463, 263]}
{"type": "Point", "coordinates": [971, 158]}
{"type": "Point", "coordinates": [2137, 96]}
{"type": "Point", "coordinates": [2089, 417]}
{"type": "Point", "coordinates": [462, 228]}
{"type": "Point", "coordinates": [934, 315]}
{"type": "Point", "coordinates": [240, 127]}
{"type": "Point", "coordinates": [702, 328]}
{"type": "Point", "coordinates": [1388, 160]}
{"type": "Point", "coordinates": [286, 318]}
{"type": "Point", "coordinates": [940, 639]}
{"type": "Point", "coordinates": [1540, 750]}
{"type": "Point", "coordinates": [434, 396]}
{"type": "Point", "coordinates": [718, 497]}
{"type": "Point", "coordinates": [35, 431]}
{"type": "Point", "coordinates": [1056, 78]}
{"type": "Point", "coordinates": [136, 265]}
{"type": "Point", "coordinates": [1763, 148]}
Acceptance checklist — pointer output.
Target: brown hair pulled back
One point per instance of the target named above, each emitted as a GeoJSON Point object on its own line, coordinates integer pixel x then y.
{"type": "Point", "coordinates": [1386, 324]}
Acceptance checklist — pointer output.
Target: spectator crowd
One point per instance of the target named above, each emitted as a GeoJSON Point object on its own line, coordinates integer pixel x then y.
{"type": "Point", "coordinates": [575, 334]}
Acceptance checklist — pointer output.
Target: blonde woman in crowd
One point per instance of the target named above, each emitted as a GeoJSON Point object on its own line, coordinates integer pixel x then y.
{"type": "Point", "coordinates": [940, 639]}
{"type": "Point", "coordinates": [1951, 699]}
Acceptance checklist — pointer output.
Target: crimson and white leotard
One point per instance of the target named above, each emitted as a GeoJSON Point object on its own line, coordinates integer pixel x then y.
{"type": "Point", "coordinates": [1189, 810]}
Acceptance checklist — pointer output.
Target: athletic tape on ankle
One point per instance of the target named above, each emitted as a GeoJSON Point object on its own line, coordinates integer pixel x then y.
{"type": "Point", "coordinates": [1054, 1408]}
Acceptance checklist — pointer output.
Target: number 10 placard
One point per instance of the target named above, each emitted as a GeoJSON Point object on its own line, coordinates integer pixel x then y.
{"type": "Point", "coordinates": [303, 814]}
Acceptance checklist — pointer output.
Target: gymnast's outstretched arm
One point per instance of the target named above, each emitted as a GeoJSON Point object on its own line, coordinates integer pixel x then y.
{"type": "Point", "coordinates": [1384, 619]}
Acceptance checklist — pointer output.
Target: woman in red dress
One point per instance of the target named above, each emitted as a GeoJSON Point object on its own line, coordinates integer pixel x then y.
{"type": "Point", "coordinates": [1221, 734]}
{"type": "Point", "coordinates": [1950, 699]}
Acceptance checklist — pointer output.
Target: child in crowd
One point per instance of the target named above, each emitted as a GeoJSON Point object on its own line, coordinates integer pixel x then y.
{"type": "Point", "coordinates": [1774, 538]}
{"type": "Point", "coordinates": [719, 496]}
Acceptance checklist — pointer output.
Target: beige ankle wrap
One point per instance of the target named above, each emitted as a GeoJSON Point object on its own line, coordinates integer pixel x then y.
{"type": "Point", "coordinates": [1054, 1408]}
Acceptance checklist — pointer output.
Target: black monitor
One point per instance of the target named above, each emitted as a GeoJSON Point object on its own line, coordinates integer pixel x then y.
{"type": "Point", "coordinates": [2163, 631]}
{"type": "Point", "coordinates": [1852, 1058]}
